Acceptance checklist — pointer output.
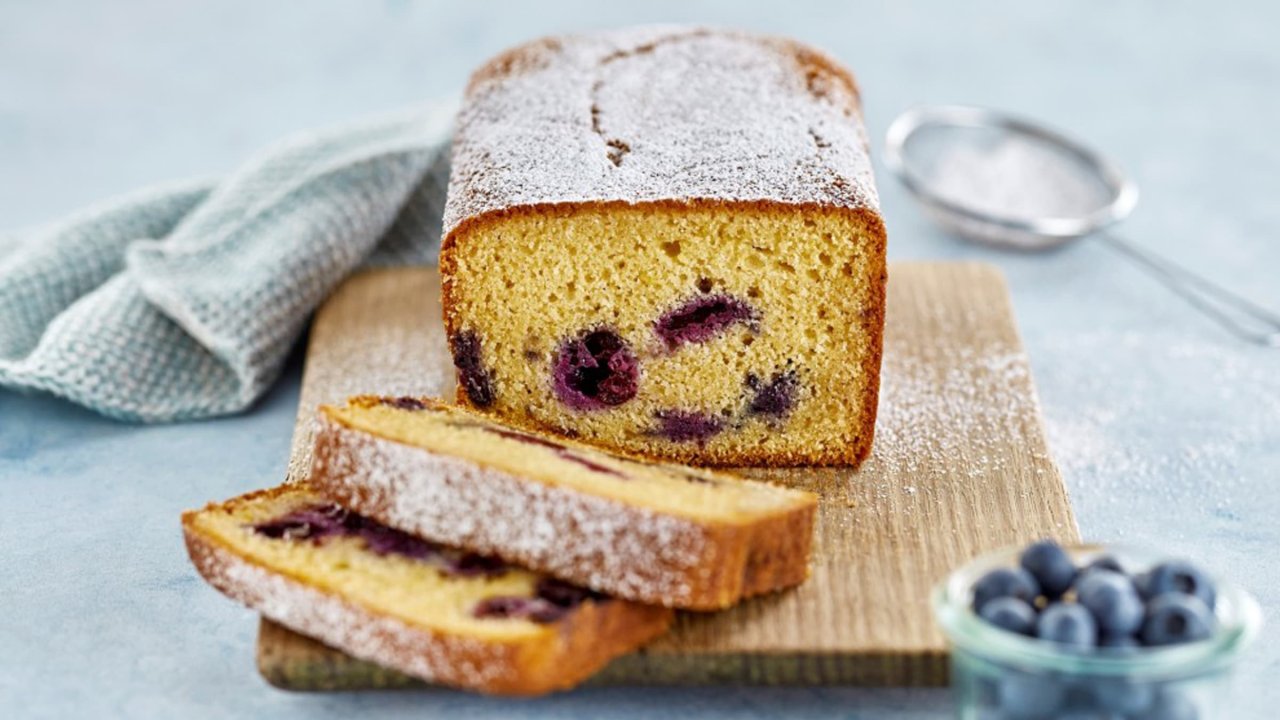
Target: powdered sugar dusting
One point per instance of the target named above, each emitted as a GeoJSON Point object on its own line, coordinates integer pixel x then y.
{"type": "Point", "coordinates": [659, 113]}
{"type": "Point", "coordinates": [1109, 438]}
{"type": "Point", "coordinates": [972, 404]}
{"type": "Point", "coordinates": [958, 411]}
{"type": "Point", "coordinates": [1017, 177]}
{"type": "Point", "coordinates": [604, 544]}
{"type": "Point", "coordinates": [366, 635]}
{"type": "Point", "coordinates": [624, 551]}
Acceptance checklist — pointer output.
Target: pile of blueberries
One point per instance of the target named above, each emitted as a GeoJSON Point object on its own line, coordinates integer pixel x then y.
{"type": "Point", "coordinates": [1099, 605]}
{"type": "Point", "coordinates": [1048, 597]}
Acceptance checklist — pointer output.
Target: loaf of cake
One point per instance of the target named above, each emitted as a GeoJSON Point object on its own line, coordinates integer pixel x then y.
{"type": "Point", "coordinates": [645, 531]}
{"type": "Point", "coordinates": [439, 614]}
{"type": "Point", "coordinates": [667, 241]}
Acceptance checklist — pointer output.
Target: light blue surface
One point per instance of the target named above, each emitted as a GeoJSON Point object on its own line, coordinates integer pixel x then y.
{"type": "Point", "coordinates": [1166, 429]}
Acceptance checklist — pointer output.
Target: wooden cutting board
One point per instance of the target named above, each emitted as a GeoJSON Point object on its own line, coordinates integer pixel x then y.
{"type": "Point", "coordinates": [960, 467]}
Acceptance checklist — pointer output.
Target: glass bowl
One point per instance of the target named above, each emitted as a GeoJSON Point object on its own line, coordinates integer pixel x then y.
{"type": "Point", "coordinates": [1000, 675]}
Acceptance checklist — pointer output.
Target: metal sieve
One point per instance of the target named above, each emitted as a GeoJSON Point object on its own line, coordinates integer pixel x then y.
{"type": "Point", "coordinates": [1001, 180]}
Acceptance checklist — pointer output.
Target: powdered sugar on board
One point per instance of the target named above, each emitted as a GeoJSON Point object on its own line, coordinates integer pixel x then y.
{"type": "Point", "coordinates": [955, 389]}
{"type": "Point", "coordinates": [659, 113]}
{"type": "Point", "coordinates": [393, 353]}
{"type": "Point", "coordinates": [963, 410]}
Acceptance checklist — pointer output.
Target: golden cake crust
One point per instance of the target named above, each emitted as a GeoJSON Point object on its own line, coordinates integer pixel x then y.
{"type": "Point", "coordinates": [573, 648]}
{"type": "Point", "coordinates": [646, 556]}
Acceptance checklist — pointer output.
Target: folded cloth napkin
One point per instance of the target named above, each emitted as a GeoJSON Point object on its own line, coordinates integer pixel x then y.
{"type": "Point", "coordinates": [183, 301]}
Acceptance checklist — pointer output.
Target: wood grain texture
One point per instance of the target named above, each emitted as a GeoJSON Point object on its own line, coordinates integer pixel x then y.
{"type": "Point", "coordinates": [960, 467]}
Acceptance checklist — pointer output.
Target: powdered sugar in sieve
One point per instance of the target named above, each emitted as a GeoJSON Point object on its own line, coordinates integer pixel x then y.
{"type": "Point", "coordinates": [1001, 180]}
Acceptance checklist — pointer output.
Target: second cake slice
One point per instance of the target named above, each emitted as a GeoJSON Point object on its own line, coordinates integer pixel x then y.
{"type": "Point", "coordinates": [650, 532]}
{"type": "Point", "coordinates": [434, 612]}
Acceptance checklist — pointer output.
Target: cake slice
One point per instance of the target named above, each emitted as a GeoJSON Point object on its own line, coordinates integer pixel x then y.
{"type": "Point", "coordinates": [667, 240]}
{"type": "Point", "coordinates": [439, 614]}
{"type": "Point", "coordinates": [645, 531]}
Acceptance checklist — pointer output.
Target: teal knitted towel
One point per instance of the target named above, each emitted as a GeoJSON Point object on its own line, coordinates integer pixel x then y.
{"type": "Point", "coordinates": [183, 301]}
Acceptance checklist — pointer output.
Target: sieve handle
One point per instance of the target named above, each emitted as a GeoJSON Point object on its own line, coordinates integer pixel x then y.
{"type": "Point", "coordinates": [1239, 315]}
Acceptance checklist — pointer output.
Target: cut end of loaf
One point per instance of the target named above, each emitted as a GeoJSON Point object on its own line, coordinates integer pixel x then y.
{"type": "Point", "coordinates": [711, 333]}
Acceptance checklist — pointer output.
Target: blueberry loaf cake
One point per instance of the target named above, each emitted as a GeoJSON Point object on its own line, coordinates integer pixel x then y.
{"type": "Point", "coordinates": [436, 613]}
{"type": "Point", "coordinates": [644, 531]}
{"type": "Point", "coordinates": [667, 241]}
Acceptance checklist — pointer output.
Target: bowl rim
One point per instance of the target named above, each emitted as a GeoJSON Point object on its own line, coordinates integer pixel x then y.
{"type": "Point", "coordinates": [1239, 618]}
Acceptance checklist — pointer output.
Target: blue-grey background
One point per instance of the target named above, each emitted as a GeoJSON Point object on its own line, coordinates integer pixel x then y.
{"type": "Point", "coordinates": [1165, 428]}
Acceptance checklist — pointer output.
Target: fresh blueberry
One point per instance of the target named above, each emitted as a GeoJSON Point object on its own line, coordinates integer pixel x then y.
{"type": "Point", "coordinates": [1142, 581]}
{"type": "Point", "coordinates": [1005, 582]}
{"type": "Point", "coordinates": [1050, 565]}
{"type": "Point", "coordinates": [1077, 699]}
{"type": "Point", "coordinates": [1112, 599]}
{"type": "Point", "coordinates": [1082, 713]}
{"type": "Point", "coordinates": [1174, 618]}
{"type": "Point", "coordinates": [1180, 576]}
{"type": "Point", "coordinates": [1068, 624]}
{"type": "Point", "coordinates": [1009, 613]}
{"type": "Point", "coordinates": [986, 691]}
{"type": "Point", "coordinates": [1118, 642]}
{"type": "Point", "coordinates": [1104, 562]}
{"type": "Point", "coordinates": [1029, 696]}
{"type": "Point", "coordinates": [1123, 696]}
{"type": "Point", "coordinates": [1169, 704]}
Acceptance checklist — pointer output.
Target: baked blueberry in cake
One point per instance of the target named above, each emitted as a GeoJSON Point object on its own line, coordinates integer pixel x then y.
{"type": "Point", "coordinates": [636, 529]}
{"type": "Point", "coordinates": [438, 613]}
{"type": "Point", "coordinates": [667, 241]}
